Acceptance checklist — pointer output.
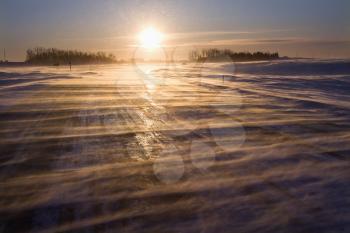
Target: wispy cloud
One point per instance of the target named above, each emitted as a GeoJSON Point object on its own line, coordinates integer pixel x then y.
{"type": "Point", "coordinates": [263, 41]}
{"type": "Point", "coordinates": [204, 34]}
{"type": "Point", "coordinates": [103, 38]}
{"type": "Point", "coordinates": [181, 35]}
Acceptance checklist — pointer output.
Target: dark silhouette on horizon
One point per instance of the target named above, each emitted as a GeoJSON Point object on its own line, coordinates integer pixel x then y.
{"type": "Point", "coordinates": [52, 56]}
{"type": "Point", "coordinates": [217, 55]}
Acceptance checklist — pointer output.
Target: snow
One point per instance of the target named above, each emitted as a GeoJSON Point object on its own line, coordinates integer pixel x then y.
{"type": "Point", "coordinates": [249, 147]}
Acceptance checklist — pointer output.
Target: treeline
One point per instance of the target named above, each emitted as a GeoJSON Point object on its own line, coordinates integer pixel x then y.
{"type": "Point", "coordinates": [217, 55]}
{"type": "Point", "coordinates": [52, 56]}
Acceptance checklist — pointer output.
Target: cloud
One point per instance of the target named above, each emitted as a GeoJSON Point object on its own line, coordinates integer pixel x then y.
{"type": "Point", "coordinates": [263, 41]}
{"type": "Point", "coordinates": [180, 35]}
{"type": "Point", "coordinates": [188, 35]}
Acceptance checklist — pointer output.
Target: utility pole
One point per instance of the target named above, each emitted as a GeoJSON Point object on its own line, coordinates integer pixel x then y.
{"type": "Point", "coordinates": [4, 54]}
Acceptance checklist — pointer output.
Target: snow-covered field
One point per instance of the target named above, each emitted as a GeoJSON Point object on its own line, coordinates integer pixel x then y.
{"type": "Point", "coordinates": [249, 147]}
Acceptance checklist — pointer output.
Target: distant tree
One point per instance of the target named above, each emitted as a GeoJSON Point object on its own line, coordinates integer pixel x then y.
{"type": "Point", "coordinates": [216, 55]}
{"type": "Point", "coordinates": [51, 56]}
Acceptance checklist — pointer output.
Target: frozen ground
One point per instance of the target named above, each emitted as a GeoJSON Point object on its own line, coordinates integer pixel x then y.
{"type": "Point", "coordinates": [253, 147]}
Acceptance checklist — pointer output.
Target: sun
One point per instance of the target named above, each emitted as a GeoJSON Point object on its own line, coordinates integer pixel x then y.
{"type": "Point", "coordinates": [150, 38]}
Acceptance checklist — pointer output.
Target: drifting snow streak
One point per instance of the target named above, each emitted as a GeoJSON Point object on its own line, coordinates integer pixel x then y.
{"type": "Point", "coordinates": [112, 149]}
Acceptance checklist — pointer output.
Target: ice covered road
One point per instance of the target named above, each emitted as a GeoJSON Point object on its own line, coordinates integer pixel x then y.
{"type": "Point", "coordinates": [185, 148]}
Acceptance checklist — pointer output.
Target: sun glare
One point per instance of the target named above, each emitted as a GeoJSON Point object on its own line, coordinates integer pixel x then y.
{"type": "Point", "coordinates": [150, 38]}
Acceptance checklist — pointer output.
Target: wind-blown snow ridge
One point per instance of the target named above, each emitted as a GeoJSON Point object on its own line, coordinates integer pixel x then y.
{"type": "Point", "coordinates": [262, 149]}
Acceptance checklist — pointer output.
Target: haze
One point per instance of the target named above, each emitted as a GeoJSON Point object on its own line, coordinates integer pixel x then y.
{"type": "Point", "coordinates": [314, 28]}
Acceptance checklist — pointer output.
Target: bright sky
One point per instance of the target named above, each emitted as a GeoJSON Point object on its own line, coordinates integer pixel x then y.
{"type": "Point", "coordinates": [312, 28]}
